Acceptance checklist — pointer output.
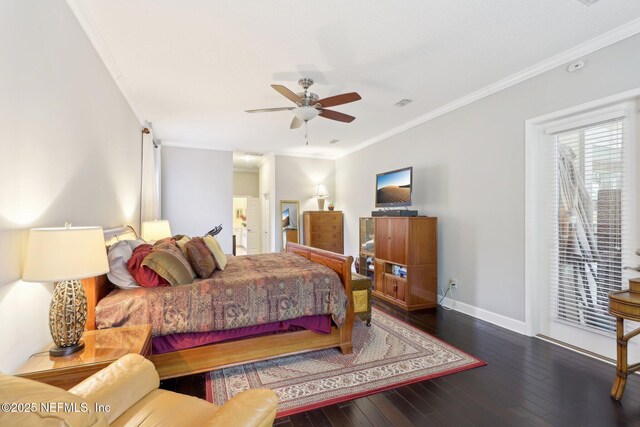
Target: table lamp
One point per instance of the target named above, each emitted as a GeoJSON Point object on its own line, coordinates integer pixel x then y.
{"type": "Point", "coordinates": [155, 230]}
{"type": "Point", "coordinates": [321, 194]}
{"type": "Point", "coordinates": [66, 255]}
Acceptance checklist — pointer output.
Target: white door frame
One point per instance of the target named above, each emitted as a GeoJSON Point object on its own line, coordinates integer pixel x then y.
{"type": "Point", "coordinates": [265, 235]}
{"type": "Point", "coordinates": [533, 219]}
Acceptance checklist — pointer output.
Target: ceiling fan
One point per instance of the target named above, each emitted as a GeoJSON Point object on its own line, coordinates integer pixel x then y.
{"type": "Point", "coordinates": [308, 104]}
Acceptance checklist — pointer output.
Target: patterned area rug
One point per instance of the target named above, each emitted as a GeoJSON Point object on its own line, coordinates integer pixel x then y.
{"type": "Point", "coordinates": [386, 355]}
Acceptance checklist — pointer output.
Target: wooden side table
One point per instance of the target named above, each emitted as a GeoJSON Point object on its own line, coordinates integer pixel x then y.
{"type": "Point", "coordinates": [624, 305]}
{"type": "Point", "coordinates": [361, 287]}
{"type": "Point", "coordinates": [101, 347]}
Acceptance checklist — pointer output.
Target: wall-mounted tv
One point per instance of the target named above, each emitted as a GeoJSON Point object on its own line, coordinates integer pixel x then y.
{"type": "Point", "coordinates": [393, 188]}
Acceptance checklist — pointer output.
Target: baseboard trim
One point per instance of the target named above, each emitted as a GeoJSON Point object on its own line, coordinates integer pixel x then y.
{"type": "Point", "coordinates": [486, 315]}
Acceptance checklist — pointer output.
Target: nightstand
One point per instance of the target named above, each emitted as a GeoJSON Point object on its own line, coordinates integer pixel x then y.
{"type": "Point", "coordinates": [101, 347]}
{"type": "Point", "coordinates": [361, 289]}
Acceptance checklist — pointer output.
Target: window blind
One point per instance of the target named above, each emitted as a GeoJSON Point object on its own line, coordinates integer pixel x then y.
{"type": "Point", "coordinates": [588, 217]}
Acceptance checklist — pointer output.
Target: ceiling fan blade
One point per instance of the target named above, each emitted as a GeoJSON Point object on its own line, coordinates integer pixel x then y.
{"type": "Point", "coordinates": [268, 110]}
{"type": "Point", "coordinates": [334, 115]}
{"type": "Point", "coordinates": [296, 123]}
{"type": "Point", "coordinates": [344, 98]}
{"type": "Point", "coordinates": [288, 94]}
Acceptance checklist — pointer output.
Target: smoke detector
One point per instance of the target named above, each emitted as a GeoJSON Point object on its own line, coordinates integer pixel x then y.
{"type": "Point", "coordinates": [575, 66]}
{"type": "Point", "coordinates": [333, 141]}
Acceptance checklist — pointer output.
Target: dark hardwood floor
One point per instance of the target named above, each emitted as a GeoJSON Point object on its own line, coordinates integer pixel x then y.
{"type": "Point", "coordinates": [527, 382]}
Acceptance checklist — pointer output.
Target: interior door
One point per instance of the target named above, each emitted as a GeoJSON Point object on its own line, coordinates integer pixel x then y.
{"type": "Point", "coordinates": [266, 222]}
{"type": "Point", "coordinates": [253, 225]}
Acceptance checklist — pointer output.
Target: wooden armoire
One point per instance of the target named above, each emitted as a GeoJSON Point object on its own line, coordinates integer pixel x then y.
{"type": "Point", "coordinates": [406, 244]}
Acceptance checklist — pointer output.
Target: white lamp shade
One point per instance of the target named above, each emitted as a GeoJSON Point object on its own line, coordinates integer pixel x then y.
{"type": "Point", "coordinates": [155, 230]}
{"type": "Point", "coordinates": [56, 254]}
{"type": "Point", "coordinates": [321, 191]}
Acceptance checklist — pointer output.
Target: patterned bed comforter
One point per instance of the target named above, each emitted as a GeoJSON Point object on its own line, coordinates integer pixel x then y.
{"type": "Point", "coordinates": [252, 290]}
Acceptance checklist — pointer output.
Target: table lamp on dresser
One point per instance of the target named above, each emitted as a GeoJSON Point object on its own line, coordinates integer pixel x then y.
{"type": "Point", "coordinates": [65, 255]}
{"type": "Point", "coordinates": [321, 194]}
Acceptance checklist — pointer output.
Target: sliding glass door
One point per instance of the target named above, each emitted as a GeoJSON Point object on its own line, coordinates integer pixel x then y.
{"type": "Point", "coordinates": [588, 213]}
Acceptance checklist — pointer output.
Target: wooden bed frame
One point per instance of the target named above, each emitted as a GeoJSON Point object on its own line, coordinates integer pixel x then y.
{"type": "Point", "coordinates": [218, 355]}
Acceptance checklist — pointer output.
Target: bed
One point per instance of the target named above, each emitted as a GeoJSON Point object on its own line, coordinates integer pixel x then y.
{"type": "Point", "coordinates": [202, 358]}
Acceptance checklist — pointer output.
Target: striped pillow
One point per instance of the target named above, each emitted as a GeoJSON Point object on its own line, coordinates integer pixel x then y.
{"type": "Point", "coordinates": [169, 262]}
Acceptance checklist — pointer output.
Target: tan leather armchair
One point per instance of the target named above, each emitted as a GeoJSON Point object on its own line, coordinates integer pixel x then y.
{"type": "Point", "coordinates": [129, 387]}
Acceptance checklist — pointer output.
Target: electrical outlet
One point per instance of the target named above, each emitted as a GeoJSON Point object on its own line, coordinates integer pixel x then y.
{"type": "Point", "coordinates": [453, 283]}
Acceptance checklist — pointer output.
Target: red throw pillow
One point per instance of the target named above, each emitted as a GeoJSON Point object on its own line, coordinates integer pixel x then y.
{"type": "Point", "coordinates": [142, 274]}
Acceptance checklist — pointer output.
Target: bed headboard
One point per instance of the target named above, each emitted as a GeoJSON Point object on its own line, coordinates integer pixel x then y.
{"type": "Point", "coordinates": [98, 287]}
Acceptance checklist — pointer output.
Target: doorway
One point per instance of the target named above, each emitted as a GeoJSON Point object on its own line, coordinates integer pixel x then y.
{"type": "Point", "coordinates": [246, 225]}
{"type": "Point", "coordinates": [581, 199]}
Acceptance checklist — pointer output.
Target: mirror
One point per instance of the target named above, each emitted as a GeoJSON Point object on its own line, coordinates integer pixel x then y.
{"type": "Point", "coordinates": [289, 224]}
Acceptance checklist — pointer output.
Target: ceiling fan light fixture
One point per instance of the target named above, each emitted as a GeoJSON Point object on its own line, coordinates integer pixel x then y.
{"type": "Point", "coordinates": [305, 113]}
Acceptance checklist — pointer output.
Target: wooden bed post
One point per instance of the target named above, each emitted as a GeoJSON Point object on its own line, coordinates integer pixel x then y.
{"type": "Point", "coordinates": [96, 288]}
{"type": "Point", "coordinates": [341, 264]}
{"type": "Point", "coordinates": [346, 344]}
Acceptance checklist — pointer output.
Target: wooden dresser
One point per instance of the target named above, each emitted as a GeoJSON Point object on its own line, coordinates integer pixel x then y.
{"type": "Point", "coordinates": [323, 230]}
{"type": "Point", "coordinates": [406, 261]}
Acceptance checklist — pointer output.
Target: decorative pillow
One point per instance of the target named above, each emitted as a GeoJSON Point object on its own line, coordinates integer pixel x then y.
{"type": "Point", "coordinates": [144, 275]}
{"type": "Point", "coordinates": [118, 255]}
{"type": "Point", "coordinates": [181, 241]}
{"type": "Point", "coordinates": [164, 240]}
{"type": "Point", "coordinates": [170, 263]}
{"type": "Point", "coordinates": [200, 257]}
{"type": "Point", "coordinates": [135, 243]}
{"type": "Point", "coordinates": [216, 250]}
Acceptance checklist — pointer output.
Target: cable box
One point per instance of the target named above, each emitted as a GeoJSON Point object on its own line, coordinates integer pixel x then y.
{"type": "Point", "coordinates": [395, 212]}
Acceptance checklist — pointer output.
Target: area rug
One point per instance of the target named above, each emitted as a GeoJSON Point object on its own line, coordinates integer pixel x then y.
{"type": "Point", "coordinates": [388, 354]}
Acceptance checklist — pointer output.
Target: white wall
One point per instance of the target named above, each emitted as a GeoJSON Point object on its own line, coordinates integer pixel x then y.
{"type": "Point", "coordinates": [197, 191]}
{"type": "Point", "coordinates": [69, 151]}
{"type": "Point", "coordinates": [296, 179]}
{"type": "Point", "coordinates": [246, 184]}
{"type": "Point", "coordinates": [469, 172]}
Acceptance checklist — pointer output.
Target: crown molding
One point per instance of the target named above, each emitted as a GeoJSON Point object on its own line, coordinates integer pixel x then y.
{"type": "Point", "coordinates": [306, 156]}
{"type": "Point", "coordinates": [248, 170]}
{"type": "Point", "coordinates": [197, 146]}
{"type": "Point", "coordinates": [616, 35]}
{"type": "Point", "coordinates": [277, 153]}
{"type": "Point", "coordinates": [80, 10]}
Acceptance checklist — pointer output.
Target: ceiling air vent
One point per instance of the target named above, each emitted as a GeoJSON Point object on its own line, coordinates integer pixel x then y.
{"type": "Point", "coordinates": [403, 102]}
{"type": "Point", "coordinates": [588, 2]}
{"type": "Point", "coordinates": [333, 141]}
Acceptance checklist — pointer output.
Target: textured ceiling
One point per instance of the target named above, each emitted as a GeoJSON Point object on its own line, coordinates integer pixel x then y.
{"type": "Point", "coordinates": [192, 67]}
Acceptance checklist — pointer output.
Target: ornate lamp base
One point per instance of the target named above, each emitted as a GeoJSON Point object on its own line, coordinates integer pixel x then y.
{"type": "Point", "coordinates": [67, 317]}
{"type": "Point", "coordinates": [63, 351]}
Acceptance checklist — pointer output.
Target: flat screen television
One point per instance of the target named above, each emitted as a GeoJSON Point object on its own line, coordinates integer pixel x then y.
{"type": "Point", "coordinates": [285, 218]}
{"type": "Point", "coordinates": [393, 188]}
